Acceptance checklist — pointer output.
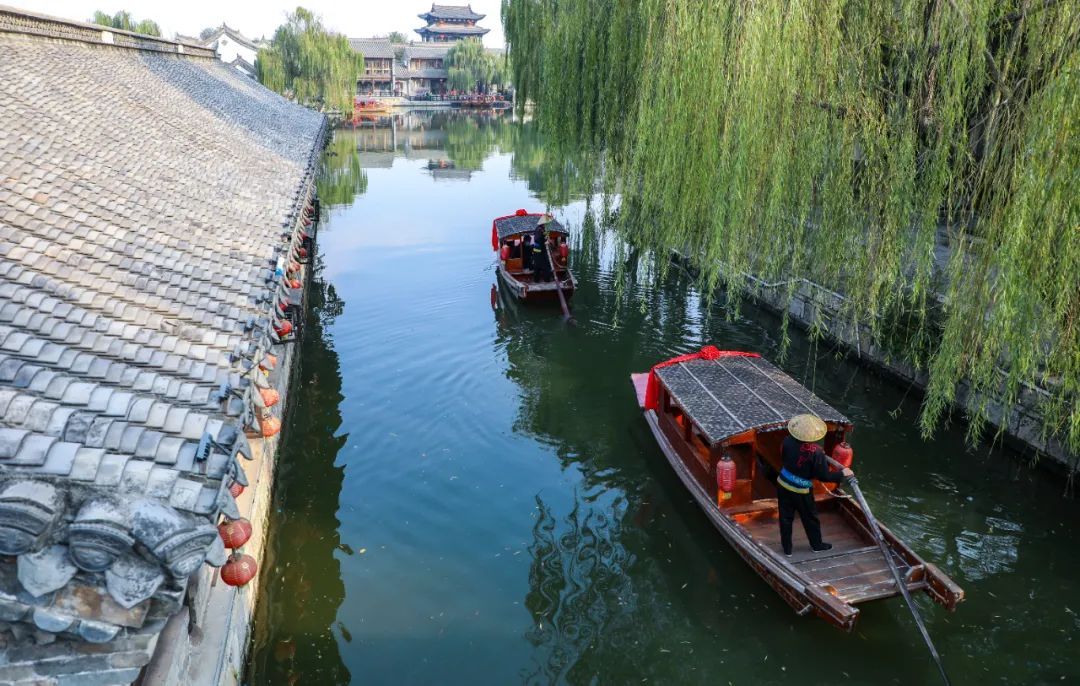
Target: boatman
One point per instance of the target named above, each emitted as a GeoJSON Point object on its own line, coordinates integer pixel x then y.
{"type": "Point", "coordinates": [540, 262]}
{"type": "Point", "coordinates": [804, 461]}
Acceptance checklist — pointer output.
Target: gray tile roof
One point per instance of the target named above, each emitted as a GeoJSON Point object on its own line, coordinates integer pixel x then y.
{"type": "Point", "coordinates": [464, 12]}
{"type": "Point", "coordinates": [427, 51]}
{"type": "Point", "coordinates": [145, 200]}
{"type": "Point", "coordinates": [454, 30]}
{"type": "Point", "coordinates": [373, 48]}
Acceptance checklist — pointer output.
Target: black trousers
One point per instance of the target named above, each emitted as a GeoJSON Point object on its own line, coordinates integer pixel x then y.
{"type": "Point", "coordinates": [789, 503]}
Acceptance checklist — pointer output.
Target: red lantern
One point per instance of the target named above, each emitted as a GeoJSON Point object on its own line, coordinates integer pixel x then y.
{"type": "Point", "coordinates": [504, 254]}
{"type": "Point", "coordinates": [283, 304]}
{"type": "Point", "coordinates": [294, 267]}
{"type": "Point", "coordinates": [235, 489]}
{"type": "Point", "coordinates": [725, 478]}
{"type": "Point", "coordinates": [270, 397]}
{"type": "Point", "coordinates": [302, 252]}
{"type": "Point", "coordinates": [295, 283]}
{"type": "Point", "coordinates": [521, 213]}
{"type": "Point", "coordinates": [844, 454]}
{"type": "Point", "coordinates": [239, 570]}
{"type": "Point", "coordinates": [268, 362]}
{"type": "Point", "coordinates": [284, 328]}
{"type": "Point", "coordinates": [270, 426]}
{"type": "Point", "coordinates": [564, 252]}
{"type": "Point", "coordinates": [235, 533]}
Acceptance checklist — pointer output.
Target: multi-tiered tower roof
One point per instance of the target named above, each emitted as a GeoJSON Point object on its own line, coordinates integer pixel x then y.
{"type": "Point", "coordinates": [449, 23]}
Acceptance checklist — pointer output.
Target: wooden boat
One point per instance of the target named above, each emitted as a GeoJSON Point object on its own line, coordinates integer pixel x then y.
{"type": "Point", "coordinates": [507, 239]}
{"type": "Point", "coordinates": [371, 106]}
{"type": "Point", "coordinates": [711, 405]}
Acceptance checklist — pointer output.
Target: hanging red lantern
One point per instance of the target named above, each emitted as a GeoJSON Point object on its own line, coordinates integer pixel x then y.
{"type": "Point", "coordinates": [283, 304]}
{"type": "Point", "coordinates": [564, 252]}
{"type": "Point", "coordinates": [235, 489]}
{"type": "Point", "coordinates": [294, 267]}
{"type": "Point", "coordinates": [844, 454]}
{"type": "Point", "coordinates": [302, 252]}
{"type": "Point", "coordinates": [235, 532]}
{"type": "Point", "coordinates": [295, 283]}
{"type": "Point", "coordinates": [504, 254]}
{"type": "Point", "coordinates": [239, 570]}
{"type": "Point", "coordinates": [284, 328]}
{"type": "Point", "coordinates": [268, 362]}
{"type": "Point", "coordinates": [270, 397]}
{"type": "Point", "coordinates": [725, 478]}
{"type": "Point", "coordinates": [270, 426]}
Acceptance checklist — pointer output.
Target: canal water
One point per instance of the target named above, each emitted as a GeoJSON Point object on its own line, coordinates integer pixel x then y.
{"type": "Point", "coordinates": [469, 495]}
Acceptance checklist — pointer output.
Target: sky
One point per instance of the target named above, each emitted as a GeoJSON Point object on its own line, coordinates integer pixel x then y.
{"type": "Point", "coordinates": [258, 18]}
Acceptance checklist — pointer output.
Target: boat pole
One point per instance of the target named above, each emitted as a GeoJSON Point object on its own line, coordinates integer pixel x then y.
{"type": "Point", "coordinates": [558, 285]}
{"type": "Point", "coordinates": [900, 582]}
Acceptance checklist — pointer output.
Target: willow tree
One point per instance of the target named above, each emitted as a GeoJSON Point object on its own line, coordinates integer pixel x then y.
{"type": "Point", "coordinates": [921, 157]}
{"type": "Point", "coordinates": [471, 68]}
{"type": "Point", "coordinates": [306, 62]}
{"type": "Point", "coordinates": [124, 21]}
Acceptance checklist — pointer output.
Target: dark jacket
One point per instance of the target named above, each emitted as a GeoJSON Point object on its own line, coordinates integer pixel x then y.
{"type": "Point", "coordinates": [807, 461]}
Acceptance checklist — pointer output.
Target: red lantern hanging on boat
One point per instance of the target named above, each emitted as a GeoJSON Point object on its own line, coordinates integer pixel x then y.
{"type": "Point", "coordinates": [844, 454]}
{"type": "Point", "coordinates": [235, 489]}
{"type": "Point", "coordinates": [239, 570]}
{"type": "Point", "coordinates": [270, 396]}
{"type": "Point", "coordinates": [504, 254]}
{"type": "Point", "coordinates": [725, 478]}
{"type": "Point", "coordinates": [564, 252]}
{"type": "Point", "coordinates": [235, 532]}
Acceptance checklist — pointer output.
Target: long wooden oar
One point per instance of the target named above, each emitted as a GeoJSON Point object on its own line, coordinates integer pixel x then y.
{"type": "Point", "coordinates": [558, 286]}
{"type": "Point", "coordinates": [900, 582]}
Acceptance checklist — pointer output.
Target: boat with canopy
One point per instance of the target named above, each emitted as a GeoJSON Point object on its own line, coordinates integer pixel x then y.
{"type": "Point", "coordinates": [719, 418]}
{"type": "Point", "coordinates": [510, 237]}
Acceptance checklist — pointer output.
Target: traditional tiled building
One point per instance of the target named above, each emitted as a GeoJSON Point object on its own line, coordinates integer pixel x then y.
{"type": "Point", "coordinates": [232, 48]}
{"type": "Point", "coordinates": [155, 207]}
{"type": "Point", "coordinates": [382, 72]}
{"type": "Point", "coordinates": [450, 23]}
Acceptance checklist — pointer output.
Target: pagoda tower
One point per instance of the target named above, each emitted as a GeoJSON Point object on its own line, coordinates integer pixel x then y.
{"type": "Point", "coordinates": [451, 23]}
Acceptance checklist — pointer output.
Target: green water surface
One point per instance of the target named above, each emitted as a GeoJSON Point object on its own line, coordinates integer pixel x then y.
{"type": "Point", "coordinates": [469, 495]}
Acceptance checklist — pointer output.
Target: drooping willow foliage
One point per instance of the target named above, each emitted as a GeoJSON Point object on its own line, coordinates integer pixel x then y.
{"type": "Point", "coordinates": [125, 22]}
{"type": "Point", "coordinates": [922, 157]}
{"type": "Point", "coordinates": [311, 65]}
{"type": "Point", "coordinates": [471, 68]}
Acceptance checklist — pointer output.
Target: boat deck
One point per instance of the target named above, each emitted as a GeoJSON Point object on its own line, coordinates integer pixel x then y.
{"type": "Point", "coordinates": [854, 567]}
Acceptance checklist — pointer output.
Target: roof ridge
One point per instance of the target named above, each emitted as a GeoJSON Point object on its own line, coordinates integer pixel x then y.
{"type": "Point", "coordinates": [19, 21]}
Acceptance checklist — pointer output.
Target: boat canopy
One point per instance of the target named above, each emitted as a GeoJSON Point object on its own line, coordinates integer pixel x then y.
{"type": "Point", "coordinates": [736, 392]}
{"type": "Point", "coordinates": [520, 222]}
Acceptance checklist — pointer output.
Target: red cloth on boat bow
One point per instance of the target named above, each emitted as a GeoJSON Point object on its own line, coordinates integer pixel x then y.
{"type": "Point", "coordinates": [709, 352]}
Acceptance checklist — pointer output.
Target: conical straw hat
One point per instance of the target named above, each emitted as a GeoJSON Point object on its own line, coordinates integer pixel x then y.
{"type": "Point", "coordinates": [807, 428]}
{"type": "Point", "coordinates": [545, 219]}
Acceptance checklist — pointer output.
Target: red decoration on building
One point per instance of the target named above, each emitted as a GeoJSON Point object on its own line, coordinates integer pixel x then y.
{"type": "Point", "coordinates": [235, 533]}
{"type": "Point", "coordinates": [270, 397]}
{"type": "Point", "coordinates": [284, 328]}
{"type": "Point", "coordinates": [239, 570]}
{"type": "Point", "coordinates": [270, 426]}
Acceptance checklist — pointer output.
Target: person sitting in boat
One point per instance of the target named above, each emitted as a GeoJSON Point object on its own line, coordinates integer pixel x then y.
{"type": "Point", "coordinates": [541, 262]}
{"type": "Point", "coordinates": [804, 460]}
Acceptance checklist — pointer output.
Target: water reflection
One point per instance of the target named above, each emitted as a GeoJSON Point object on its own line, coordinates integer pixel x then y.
{"type": "Point", "coordinates": [297, 639]}
{"type": "Point", "coordinates": [519, 520]}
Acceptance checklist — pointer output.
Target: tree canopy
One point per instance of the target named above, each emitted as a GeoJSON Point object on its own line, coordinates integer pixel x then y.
{"type": "Point", "coordinates": [471, 68]}
{"type": "Point", "coordinates": [397, 37]}
{"type": "Point", "coordinates": [311, 65]}
{"type": "Point", "coordinates": [921, 157]}
{"type": "Point", "coordinates": [124, 21]}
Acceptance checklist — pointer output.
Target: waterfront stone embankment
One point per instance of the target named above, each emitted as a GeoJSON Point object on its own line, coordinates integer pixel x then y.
{"type": "Point", "coordinates": [147, 193]}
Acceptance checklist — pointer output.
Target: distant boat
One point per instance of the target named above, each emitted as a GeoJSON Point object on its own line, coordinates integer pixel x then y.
{"type": "Point", "coordinates": [727, 407]}
{"type": "Point", "coordinates": [508, 239]}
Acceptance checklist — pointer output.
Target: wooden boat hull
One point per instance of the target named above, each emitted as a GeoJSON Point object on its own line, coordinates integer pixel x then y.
{"type": "Point", "coordinates": [829, 584]}
{"type": "Point", "coordinates": [528, 292]}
